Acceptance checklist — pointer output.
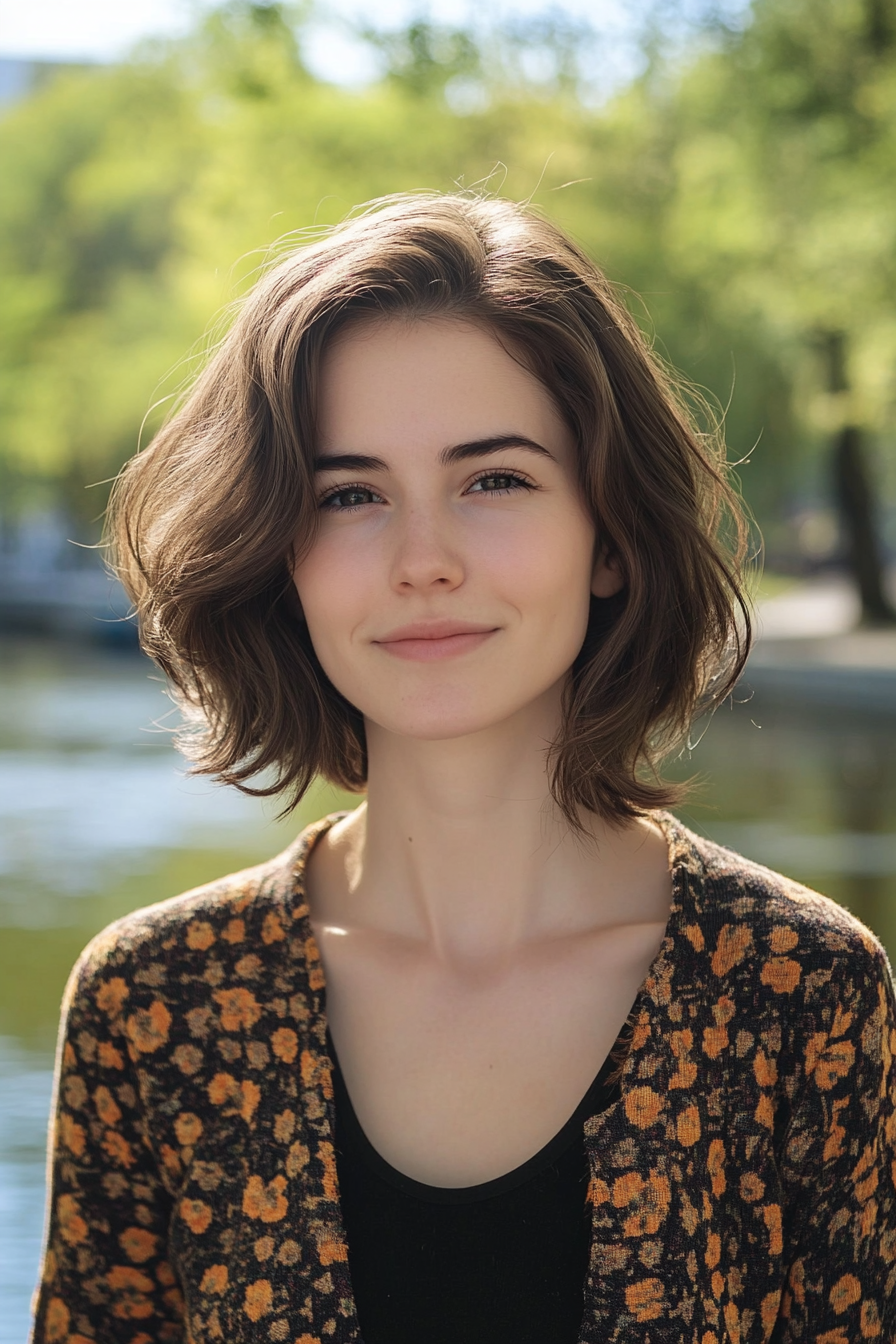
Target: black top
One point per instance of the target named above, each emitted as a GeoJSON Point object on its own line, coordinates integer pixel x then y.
{"type": "Point", "coordinates": [503, 1262]}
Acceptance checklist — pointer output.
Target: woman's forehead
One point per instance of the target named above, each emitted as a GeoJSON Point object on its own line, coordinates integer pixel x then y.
{"type": "Point", "coordinates": [434, 380]}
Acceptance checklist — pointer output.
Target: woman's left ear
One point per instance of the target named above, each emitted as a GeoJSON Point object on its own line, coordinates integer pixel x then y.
{"type": "Point", "coordinates": [607, 579]}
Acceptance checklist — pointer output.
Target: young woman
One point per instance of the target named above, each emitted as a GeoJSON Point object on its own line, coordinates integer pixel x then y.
{"type": "Point", "coordinates": [506, 1054]}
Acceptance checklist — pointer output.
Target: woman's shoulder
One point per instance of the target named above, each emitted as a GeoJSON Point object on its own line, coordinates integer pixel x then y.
{"type": "Point", "coordinates": [743, 911]}
{"type": "Point", "coordinates": [230, 927]}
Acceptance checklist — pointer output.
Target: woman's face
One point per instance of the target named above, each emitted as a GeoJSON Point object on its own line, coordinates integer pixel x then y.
{"type": "Point", "coordinates": [448, 587]}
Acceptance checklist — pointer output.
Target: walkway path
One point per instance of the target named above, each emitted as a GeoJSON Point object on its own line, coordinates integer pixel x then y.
{"type": "Point", "coordinates": [810, 648]}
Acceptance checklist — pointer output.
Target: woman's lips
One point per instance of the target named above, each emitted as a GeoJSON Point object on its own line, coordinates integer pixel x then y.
{"type": "Point", "coordinates": [429, 643]}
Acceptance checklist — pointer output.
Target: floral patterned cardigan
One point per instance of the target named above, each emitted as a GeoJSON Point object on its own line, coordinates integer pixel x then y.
{"type": "Point", "coordinates": [742, 1188]}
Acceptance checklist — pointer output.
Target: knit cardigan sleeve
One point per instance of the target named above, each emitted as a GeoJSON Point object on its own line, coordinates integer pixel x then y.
{"type": "Point", "coordinates": [839, 1165]}
{"type": "Point", "coordinates": [105, 1273]}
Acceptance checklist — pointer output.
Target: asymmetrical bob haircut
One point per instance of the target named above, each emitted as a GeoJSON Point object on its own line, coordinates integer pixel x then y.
{"type": "Point", "coordinates": [207, 522]}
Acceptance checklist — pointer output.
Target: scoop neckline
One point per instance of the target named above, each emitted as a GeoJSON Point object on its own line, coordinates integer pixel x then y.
{"type": "Point", "coordinates": [598, 1097]}
{"type": "Point", "coordinates": [677, 839]}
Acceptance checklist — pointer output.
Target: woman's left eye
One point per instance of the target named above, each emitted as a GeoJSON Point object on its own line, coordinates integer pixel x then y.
{"type": "Point", "coordinates": [499, 483]}
{"type": "Point", "coordinates": [347, 499]}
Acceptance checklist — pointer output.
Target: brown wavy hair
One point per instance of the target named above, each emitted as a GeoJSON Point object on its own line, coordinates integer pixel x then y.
{"type": "Point", "coordinates": [204, 522]}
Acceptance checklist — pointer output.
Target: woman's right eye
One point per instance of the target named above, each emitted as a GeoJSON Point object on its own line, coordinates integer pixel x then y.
{"type": "Point", "coordinates": [347, 498]}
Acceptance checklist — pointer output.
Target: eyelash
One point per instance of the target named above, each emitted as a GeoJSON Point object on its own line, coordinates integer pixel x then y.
{"type": "Point", "coordinates": [518, 482]}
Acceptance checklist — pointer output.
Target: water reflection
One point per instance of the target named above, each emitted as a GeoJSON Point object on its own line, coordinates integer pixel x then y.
{"type": "Point", "coordinates": [809, 791]}
{"type": "Point", "coordinates": [96, 818]}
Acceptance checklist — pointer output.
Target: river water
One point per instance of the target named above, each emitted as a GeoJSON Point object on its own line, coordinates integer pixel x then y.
{"type": "Point", "coordinates": [97, 818]}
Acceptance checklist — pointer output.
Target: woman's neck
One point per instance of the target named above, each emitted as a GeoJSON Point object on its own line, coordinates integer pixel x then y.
{"type": "Point", "coordinates": [462, 846]}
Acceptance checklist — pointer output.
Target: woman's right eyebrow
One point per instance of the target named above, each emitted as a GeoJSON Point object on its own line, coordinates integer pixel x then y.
{"type": "Point", "coordinates": [349, 462]}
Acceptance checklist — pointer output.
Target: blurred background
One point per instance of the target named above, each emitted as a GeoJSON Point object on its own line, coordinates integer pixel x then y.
{"type": "Point", "coordinates": [731, 165]}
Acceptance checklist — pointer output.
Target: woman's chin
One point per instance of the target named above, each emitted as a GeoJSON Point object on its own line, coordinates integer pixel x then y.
{"type": "Point", "coordinates": [435, 723]}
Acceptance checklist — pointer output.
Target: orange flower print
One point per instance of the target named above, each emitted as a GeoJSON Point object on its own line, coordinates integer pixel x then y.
{"type": "Point", "coordinates": [138, 1244]}
{"type": "Point", "coordinates": [285, 1044]}
{"type": "Point", "coordinates": [200, 935]}
{"type": "Point", "coordinates": [148, 1028]}
{"type": "Point", "coordinates": [109, 1056]}
{"type": "Point", "coordinates": [249, 967]}
{"type": "Point", "coordinates": [188, 1058]}
{"type": "Point", "coordinates": [769, 1310]}
{"type": "Point", "coordinates": [259, 1299]}
{"type": "Point", "coordinates": [71, 1225]}
{"type": "Point", "coordinates": [297, 1159]}
{"type": "Point", "coordinates": [687, 1126]}
{"type": "Point", "coordinates": [650, 1199]}
{"type": "Point", "coordinates": [751, 1187]}
{"type": "Point", "coordinates": [870, 1321]}
{"type": "Point", "coordinates": [845, 1293]}
{"type": "Point", "coordinates": [73, 1135]}
{"type": "Point", "coordinates": [332, 1252]}
{"type": "Point", "coordinates": [106, 1108]}
{"type": "Point", "coordinates": [866, 1174]}
{"type": "Point", "coordinates": [131, 1287]}
{"type": "Point", "coordinates": [643, 1106]}
{"type": "Point", "coordinates": [716, 1166]}
{"type": "Point", "coordinates": [111, 996]}
{"type": "Point", "coordinates": [735, 941]}
{"type": "Point", "coordinates": [328, 1162]}
{"type": "Point", "coordinates": [284, 1126]}
{"type": "Point", "coordinates": [772, 1215]}
{"type": "Point", "coordinates": [214, 1280]}
{"type": "Point", "coordinates": [57, 1320]}
{"type": "Point", "coordinates": [715, 1039]}
{"type": "Point", "coordinates": [165, 1274]}
{"type": "Point", "coordinates": [118, 1148]}
{"type": "Point", "coordinates": [250, 1097]}
{"type": "Point", "coordinates": [235, 931]}
{"type": "Point", "coordinates": [196, 1214]}
{"type": "Point", "coordinates": [265, 1202]}
{"type": "Point", "coordinates": [272, 929]}
{"type": "Point", "coordinates": [765, 1070]}
{"type": "Point", "coordinates": [641, 1033]}
{"type": "Point", "coordinates": [122, 1277]}
{"type": "Point", "coordinates": [694, 935]}
{"type": "Point", "coordinates": [170, 1160]}
{"type": "Point", "coordinates": [828, 1060]}
{"type": "Point", "coordinates": [645, 1299]}
{"type": "Point", "coordinates": [685, 1074]}
{"type": "Point", "coordinates": [783, 938]}
{"type": "Point", "coordinates": [311, 1067]}
{"type": "Point", "coordinates": [781, 974]}
{"type": "Point", "coordinates": [598, 1191]}
{"type": "Point", "coordinates": [188, 1128]}
{"type": "Point", "coordinates": [239, 1008]}
{"type": "Point", "coordinates": [223, 1087]}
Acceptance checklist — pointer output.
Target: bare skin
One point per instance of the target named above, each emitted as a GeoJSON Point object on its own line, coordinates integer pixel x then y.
{"type": "Point", "coordinates": [480, 957]}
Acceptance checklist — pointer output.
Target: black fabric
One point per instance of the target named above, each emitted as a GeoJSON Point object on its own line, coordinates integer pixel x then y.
{"type": "Point", "coordinates": [503, 1262]}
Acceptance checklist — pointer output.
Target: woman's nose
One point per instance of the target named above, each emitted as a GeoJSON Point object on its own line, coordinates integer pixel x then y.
{"type": "Point", "coordinates": [426, 554]}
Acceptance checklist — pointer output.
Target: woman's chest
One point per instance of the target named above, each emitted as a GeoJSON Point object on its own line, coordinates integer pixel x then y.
{"type": "Point", "coordinates": [457, 1078]}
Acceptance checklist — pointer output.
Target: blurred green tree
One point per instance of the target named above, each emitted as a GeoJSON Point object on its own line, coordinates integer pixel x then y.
{"type": "Point", "coordinates": [784, 220]}
{"type": "Point", "coordinates": [741, 185]}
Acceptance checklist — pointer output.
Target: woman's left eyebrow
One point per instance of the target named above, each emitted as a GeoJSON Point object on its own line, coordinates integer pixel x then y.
{"type": "Point", "coordinates": [462, 452]}
{"type": "Point", "coordinates": [458, 452]}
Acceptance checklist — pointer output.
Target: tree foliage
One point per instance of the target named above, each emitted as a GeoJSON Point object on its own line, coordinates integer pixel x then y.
{"type": "Point", "coordinates": [742, 187]}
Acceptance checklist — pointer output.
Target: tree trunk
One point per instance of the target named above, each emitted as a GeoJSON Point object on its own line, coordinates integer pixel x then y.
{"type": "Point", "coordinates": [857, 511]}
{"type": "Point", "coordinates": [852, 488]}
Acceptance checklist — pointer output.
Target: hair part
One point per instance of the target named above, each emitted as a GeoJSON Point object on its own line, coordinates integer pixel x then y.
{"type": "Point", "coordinates": [206, 523]}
